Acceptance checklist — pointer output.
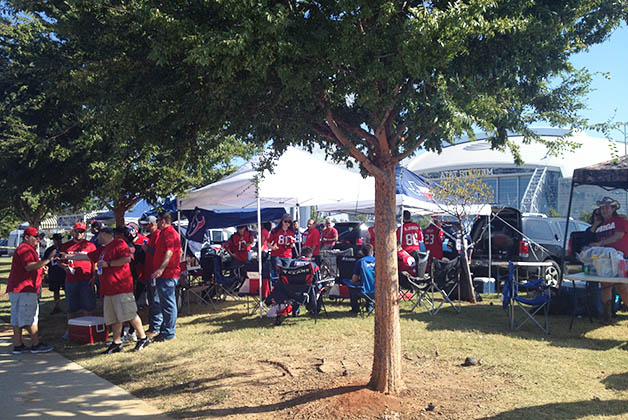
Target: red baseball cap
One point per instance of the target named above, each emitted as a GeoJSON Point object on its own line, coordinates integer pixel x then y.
{"type": "Point", "coordinates": [80, 225]}
{"type": "Point", "coordinates": [31, 231]}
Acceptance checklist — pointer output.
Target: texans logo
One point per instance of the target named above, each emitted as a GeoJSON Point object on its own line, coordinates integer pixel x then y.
{"type": "Point", "coordinates": [196, 225]}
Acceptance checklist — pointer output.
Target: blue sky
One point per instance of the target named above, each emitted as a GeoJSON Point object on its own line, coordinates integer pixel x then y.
{"type": "Point", "coordinates": [610, 97]}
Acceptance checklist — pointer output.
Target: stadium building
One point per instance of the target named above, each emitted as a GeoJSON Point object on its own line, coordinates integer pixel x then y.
{"type": "Point", "coordinates": [540, 184]}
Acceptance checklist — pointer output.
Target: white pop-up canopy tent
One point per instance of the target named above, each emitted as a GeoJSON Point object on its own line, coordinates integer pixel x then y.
{"type": "Point", "coordinates": [298, 179]}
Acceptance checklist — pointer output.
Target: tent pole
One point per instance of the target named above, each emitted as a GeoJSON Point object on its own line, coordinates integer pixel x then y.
{"type": "Point", "coordinates": [259, 257]}
{"type": "Point", "coordinates": [185, 249]}
{"type": "Point", "coordinates": [563, 262]}
{"type": "Point", "coordinates": [490, 251]}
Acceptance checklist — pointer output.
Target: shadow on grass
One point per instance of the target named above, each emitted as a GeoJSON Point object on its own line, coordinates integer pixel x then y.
{"type": "Point", "coordinates": [205, 412]}
{"type": "Point", "coordinates": [618, 382]}
{"type": "Point", "coordinates": [566, 411]}
{"type": "Point", "coordinates": [492, 319]}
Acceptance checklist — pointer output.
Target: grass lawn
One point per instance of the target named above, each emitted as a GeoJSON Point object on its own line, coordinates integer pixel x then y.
{"type": "Point", "coordinates": [226, 363]}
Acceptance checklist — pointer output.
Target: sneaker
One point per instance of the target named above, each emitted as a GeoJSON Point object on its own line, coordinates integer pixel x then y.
{"type": "Point", "coordinates": [127, 338]}
{"type": "Point", "coordinates": [41, 348]}
{"type": "Point", "coordinates": [20, 349]}
{"type": "Point", "coordinates": [113, 348]}
{"type": "Point", "coordinates": [161, 338]}
{"type": "Point", "coordinates": [280, 319]}
{"type": "Point", "coordinates": [141, 344]}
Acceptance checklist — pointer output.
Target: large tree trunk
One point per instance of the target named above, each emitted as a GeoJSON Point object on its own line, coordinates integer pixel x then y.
{"type": "Point", "coordinates": [386, 374]}
{"type": "Point", "coordinates": [118, 213]}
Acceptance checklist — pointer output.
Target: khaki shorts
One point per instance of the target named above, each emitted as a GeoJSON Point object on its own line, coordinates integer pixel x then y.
{"type": "Point", "coordinates": [119, 308]}
{"type": "Point", "coordinates": [24, 309]}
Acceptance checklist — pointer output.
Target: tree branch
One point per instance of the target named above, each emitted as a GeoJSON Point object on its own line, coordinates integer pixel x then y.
{"type": "Point", "coordinates": [371, 139]}
{"type": "Point", "coordinates": [357, 154]}
{"type": "Point", "coordinates": [411, 150]}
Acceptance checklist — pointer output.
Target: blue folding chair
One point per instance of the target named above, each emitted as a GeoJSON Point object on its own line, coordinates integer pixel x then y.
{"type": "Point", "coordinates": [538, 297]}
{"type": "Point", "coordinates": [364, 292]}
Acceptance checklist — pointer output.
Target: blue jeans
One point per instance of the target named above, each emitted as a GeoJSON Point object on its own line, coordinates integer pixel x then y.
{"type": "Point", "coordinates": [154, 313]}
{"type": "Point", "coordinates": [80, 296]}
{"type": "Point", "coordinates": [274, 263]}
{"type": "Point", "coordinates": [163, 318]}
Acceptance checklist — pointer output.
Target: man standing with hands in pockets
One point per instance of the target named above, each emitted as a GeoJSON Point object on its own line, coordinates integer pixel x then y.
{"type": "Point", "coordinates": [166, 276]}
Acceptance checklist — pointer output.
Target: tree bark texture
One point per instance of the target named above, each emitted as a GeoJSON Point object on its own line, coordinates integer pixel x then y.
{"type": "Point", "coordinates": [386, 373]}
{"type": "Point", "coordinates": [118, 213]}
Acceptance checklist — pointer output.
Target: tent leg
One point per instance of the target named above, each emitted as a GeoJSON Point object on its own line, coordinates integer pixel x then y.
{"type": "Point", "coordinates": [259, 257]}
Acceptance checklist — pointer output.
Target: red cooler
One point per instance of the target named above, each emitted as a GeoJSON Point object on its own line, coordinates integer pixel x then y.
{"type": "Point", "coordinates": [88, 329]}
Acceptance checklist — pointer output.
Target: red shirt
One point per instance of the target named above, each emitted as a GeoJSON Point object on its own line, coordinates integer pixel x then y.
{"type": "Point", "coordinates": [371, 236]}
{"type": "Point", "coordinates": [313, 240]}
{"type": "Point", "coordinates": [284, 240]}
{"type": "Point", "coordinates": [150, 255]}
{"type": "Point", "coordinates": [20, 280]}
{"type": "Point", "coordinates": [240, 245]}
{"type": "Point", "coordinates": [113, 280]}
{"type": "Point", "coordinates": [139, 239]}
{"type": "Point", "coordinates": [405, 261]}
{"type": "Point", "coordinates": [433, 237]}
{"type": "Point", "coordinates": [83, 270]}
{"type": "Point", "coordinates": [168, 240]}
{"type": "Point", "coordinates": [265, 234]}
{"type": "Point", "coordinates": [607, 229]}
{"type": "Point", "coordinates": [329, 236]}
{"type": "Point", "coordinates": [411, 236]}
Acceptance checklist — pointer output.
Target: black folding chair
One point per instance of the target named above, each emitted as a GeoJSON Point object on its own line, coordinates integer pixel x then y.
{"type": "Point", "coordinates": [344, 266]}
{"type": "Point", "coordinates": [299, 286]}
{"type": "Point", "coordinates": [419, 281]}
{"type": "Point", "coordinates": [445, 281]}
{"type": "Point", "coordinates": [227, 279]}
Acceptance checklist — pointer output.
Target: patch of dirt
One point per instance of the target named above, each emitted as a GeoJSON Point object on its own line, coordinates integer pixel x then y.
{"type": "Point", "coordinates": [314, 388]}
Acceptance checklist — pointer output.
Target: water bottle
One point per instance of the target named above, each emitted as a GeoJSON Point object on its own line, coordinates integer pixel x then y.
{"type": "Point", "coordinates": [99, 269]}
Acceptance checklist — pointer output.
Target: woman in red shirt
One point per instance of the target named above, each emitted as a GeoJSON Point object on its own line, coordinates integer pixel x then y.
{"type": "Point", "coordinates": [281, 242]}
{"type": "Point", "coordinates": [612, 232]}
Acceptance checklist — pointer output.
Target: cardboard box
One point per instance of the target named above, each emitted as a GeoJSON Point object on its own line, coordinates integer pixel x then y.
{"type": "Point", "coordinates": [88, 329]}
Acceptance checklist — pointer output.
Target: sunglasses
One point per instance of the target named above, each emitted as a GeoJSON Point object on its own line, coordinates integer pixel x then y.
{"type": "Point", "coordinates": [287, 221]}
{"type": "Point", "coordinates": [79, 230]}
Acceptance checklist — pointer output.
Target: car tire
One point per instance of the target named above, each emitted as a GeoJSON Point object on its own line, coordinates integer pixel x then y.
{"type": "Point", "coordinates": [552, 274]}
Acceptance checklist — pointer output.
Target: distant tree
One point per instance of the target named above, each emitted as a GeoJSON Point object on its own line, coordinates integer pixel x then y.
{"type": "Point", "coordinates": [459, 195]}
{"type": "Point", "coordinates": [552, 212]}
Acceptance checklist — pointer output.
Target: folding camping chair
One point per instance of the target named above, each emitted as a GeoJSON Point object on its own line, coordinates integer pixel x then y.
{"type": "Point", "coordinates": [537, 300]}
{"type": "Point", "coordinates": [227, 279]}
{"type": "Point", "coordinates": [199, 283]}
{"type": "Point", "coordinates": [446, 281]}
{"type": "Point", "coordinates": [419, 282]}
{"type": "Point", "coordinates": [344, 266]}
{"type": "Point", "coordinates": [299, 286]}
{"type": "Point", "coordinates": [363, 292]}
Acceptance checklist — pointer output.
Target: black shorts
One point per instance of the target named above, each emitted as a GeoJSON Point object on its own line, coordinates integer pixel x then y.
{"type": "Point", "coordinates": [56, 279]}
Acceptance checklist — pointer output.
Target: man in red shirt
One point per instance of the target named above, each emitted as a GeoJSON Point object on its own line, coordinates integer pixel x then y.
{"type": "Point", "coordinates": [166, 271]}
{"type": "Point", "coordinates": [79, 292]}
{"type": "Point", "coordinates": [409, 235]}
{"type": "Point", "coordinates": [433, 237]}
{"type": "Point", "coordinates": [23, 288]}
{"type": "Point", "coordinates": [239, 244]}
{"type": "Point", "coordinates": [312, 238]}
{"type": "Point", "coordinates": [154, 316]}
{"type": "Point", "coordinates": [329, 236]}
{"type": "Point", "coordinates": [112, 260]}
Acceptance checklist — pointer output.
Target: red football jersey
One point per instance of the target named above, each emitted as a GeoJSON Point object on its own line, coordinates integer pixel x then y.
{"type": "Point", "coordinates": [410, 236]}
{"type": "Point", "coordinates": [433, 237]}
{"type": "Point", "coordinates": [240, 245]}
{"type": "Point", "coordinates": [284, 240]}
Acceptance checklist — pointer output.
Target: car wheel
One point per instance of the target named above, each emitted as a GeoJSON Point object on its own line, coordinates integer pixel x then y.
{"type": "Point", "coordinates": [552, 274]}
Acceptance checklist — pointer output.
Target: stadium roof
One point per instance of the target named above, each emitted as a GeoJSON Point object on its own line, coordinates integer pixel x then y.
{"type": "Point", "coordinates": [478, 154]}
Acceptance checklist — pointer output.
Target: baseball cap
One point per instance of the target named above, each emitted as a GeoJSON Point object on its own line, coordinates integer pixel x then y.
{"type": "Point", "coordinates": [608, 201]}
{"type": "Point", "coordinates": [31, 231]}
{"type": "Point", "coordinates": [97, 224]}
{"type": "Point", "coordinates": [80, 226]}
{"type": "Point", "coordinates": [107, 230]}
{"type": "Point", "coordinates": [148, 220]}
